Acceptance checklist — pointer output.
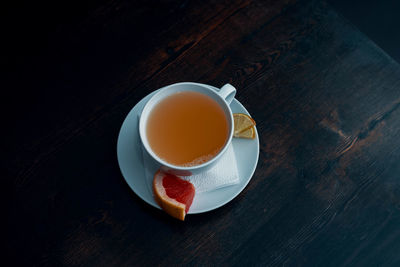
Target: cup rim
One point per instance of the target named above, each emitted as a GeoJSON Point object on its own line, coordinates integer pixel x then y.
{"type": "Point", "coordinates": [142, 130]}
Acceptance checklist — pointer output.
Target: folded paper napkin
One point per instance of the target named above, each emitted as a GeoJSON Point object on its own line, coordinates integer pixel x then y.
{"type": "Point", "coordinates": [224, 173]}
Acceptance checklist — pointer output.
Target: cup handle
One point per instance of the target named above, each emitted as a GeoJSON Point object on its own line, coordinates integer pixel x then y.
{"type": "Point", "coordinates": [227, 92]}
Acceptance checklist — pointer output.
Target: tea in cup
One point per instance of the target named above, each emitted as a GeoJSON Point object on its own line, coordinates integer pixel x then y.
{"type": "Point", "coordinates": [187, 127]}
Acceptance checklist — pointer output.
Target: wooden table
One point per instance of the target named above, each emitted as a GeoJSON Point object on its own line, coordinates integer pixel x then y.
{"type": "Point", "coordinates": [326, 191]}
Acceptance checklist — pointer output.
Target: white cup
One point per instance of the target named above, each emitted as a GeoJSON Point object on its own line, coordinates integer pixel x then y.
{"type": "Point", "coordinates": [223, 97]}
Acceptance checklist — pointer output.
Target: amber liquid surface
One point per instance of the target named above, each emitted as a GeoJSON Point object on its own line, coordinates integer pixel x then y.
{"type": "Point", "coordinates": [187, 128]}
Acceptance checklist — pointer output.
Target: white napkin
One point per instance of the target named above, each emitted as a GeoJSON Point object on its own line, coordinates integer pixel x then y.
{"type": "Point", "coordinates": [224, 173]}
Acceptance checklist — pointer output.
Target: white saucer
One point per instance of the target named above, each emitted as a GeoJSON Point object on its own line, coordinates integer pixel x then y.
{"type": "Point", "coordinates": [130, 162]}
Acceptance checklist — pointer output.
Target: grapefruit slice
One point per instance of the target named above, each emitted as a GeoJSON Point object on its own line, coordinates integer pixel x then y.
{"type": "Point", "coordinates": [173, 194]}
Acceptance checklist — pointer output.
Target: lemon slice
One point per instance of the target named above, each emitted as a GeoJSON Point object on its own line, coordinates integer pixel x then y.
{"type": "Point", "coordinates": [249, 133]}
{"type": "Point", "coordinates": [242, 123]}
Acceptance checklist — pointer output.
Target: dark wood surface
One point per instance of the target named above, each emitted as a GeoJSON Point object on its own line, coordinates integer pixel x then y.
{"type": "Point", "coordinates": [326, 191]}
{"type": "Point", "coordinates": [377, 19]}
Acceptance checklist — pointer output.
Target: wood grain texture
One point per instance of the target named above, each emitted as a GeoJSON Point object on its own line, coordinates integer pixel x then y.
{"type": "Point", "coordinates": [326, 191]}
